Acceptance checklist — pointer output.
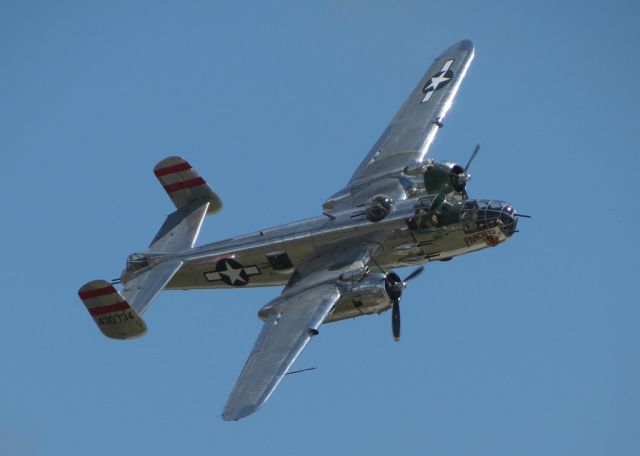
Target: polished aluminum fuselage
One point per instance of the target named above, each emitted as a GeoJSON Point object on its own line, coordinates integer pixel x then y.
{"type": "Point", "coordinates": [303, 240]}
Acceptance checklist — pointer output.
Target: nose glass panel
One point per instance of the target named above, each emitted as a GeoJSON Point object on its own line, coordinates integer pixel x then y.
{"type": "Point", "coordinates": [478, 215]}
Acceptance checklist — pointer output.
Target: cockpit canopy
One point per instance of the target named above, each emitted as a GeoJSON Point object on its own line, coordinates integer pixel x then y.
{"type": "Point", "coordinates": [477, 215]}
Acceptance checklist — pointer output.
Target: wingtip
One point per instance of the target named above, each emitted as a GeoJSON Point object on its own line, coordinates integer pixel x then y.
{"type": "Point", "coordinates": [465, 45]}
{"type": "Point", "coordinates": [235, 415]}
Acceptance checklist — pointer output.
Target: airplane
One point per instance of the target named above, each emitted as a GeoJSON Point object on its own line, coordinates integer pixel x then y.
{"type": "Point", "coordinates": [398, 209]}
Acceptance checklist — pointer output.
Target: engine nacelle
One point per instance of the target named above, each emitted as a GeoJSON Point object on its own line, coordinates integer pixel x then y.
{"type": "Point", "coordinates": [373, 294]}
{"type": "Point", "coordinates": [369, 296]}
{"type": "Point", "coordinates": [445, 177]}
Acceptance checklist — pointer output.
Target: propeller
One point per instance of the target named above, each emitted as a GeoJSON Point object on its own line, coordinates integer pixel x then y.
{"type": "Point", "coordinates": [461, 175]}
{"type": "Point", "coordinates": [395, 287]}
{"type": "Point", "coordinates": [473, 155]}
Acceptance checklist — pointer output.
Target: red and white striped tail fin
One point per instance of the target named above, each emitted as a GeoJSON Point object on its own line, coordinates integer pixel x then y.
{"type": "Point", "coordinates": [184, 185]}
{"type": "Point", "coordinates": [111, 312]}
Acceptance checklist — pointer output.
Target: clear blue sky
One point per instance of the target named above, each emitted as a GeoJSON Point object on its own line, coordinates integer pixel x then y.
{"type": "Point", "coordinates": [531, 348]}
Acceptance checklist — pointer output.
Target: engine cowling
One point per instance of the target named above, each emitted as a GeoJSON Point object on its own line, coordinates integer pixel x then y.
{"type": "Point", "coordinates": [445, 177]}
{"type": "Point", "coordinates": [371, 295]}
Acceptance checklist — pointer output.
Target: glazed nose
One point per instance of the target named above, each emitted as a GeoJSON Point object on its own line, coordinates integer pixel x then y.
{"type": "Point", "coordinates": [508, 219]}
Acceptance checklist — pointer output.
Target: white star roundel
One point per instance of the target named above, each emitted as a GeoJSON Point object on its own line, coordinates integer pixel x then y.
{"type": "Point", "coordinates": [232, 273]}
{"type": "Point", "coordinates": [439, 80]}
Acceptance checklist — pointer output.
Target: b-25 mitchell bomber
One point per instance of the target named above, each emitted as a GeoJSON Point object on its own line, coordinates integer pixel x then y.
{"type": "Point", "coordinates": [399, 209]}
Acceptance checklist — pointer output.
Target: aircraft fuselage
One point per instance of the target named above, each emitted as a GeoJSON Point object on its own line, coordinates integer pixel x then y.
{"type": "Point", "coordinates": [268, 257]}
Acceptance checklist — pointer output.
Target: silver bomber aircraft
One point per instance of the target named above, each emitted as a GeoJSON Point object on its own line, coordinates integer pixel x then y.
{"type": "Point", "coordinates": [398, 209]}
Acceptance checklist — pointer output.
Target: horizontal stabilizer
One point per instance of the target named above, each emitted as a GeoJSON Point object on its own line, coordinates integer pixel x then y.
{"type": "Point", "coordinates": [111, 312]}
{"type": "Point", "coordinates": [181, 228]}
{"type": "Point", "coordinates": [145, 285]}
{"type": "Point", "coordinates": [184, 185]}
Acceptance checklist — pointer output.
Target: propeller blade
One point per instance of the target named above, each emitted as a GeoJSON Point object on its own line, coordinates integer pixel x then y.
{"type": "Point", "coordinates": [395, 320]}
{"type": "Point", "coordinates": [414, 274]}
{"type": "Point", "coordinates": [473, 155]}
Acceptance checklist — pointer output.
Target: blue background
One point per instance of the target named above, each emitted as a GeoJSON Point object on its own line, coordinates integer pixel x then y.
{"type": "Point", "coordinates": [530, 348]}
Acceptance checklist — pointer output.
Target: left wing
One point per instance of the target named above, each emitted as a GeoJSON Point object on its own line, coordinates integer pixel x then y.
{"type": "Point", "coordinates": [284, 335]}
{"type": "Point", "coordinates": [293, 318]}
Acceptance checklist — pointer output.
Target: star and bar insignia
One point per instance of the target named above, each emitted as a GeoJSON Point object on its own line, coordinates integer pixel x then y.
{"type": "Point", "coordinates": [438, 81]}
{"type": "Point", "coordinates": [232, 273]}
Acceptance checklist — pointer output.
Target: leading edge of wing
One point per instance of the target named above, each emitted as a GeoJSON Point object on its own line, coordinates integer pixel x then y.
{"type": "Point", "coordinates": [285, 333]}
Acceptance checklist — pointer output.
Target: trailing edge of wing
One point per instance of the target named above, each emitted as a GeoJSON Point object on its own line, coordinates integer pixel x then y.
{"type": "Point", "coordinates": [284, 335]}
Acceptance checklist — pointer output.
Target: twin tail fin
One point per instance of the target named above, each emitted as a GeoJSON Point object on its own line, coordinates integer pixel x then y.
{"type": "Point", "coordinates": [118, 314]}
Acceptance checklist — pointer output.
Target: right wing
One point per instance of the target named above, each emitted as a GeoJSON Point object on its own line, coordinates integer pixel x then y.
{"type": "Point", "coordinates": [407, 139]}
{"type": "Point", "coordinates": [293, 318]}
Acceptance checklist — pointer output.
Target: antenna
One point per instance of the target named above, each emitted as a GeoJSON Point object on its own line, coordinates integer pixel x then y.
{"type": "Point", "coordinates": [301, 370]}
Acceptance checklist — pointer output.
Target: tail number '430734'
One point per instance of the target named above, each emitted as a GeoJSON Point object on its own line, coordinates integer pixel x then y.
{"type": "Point", "coordinates": [115, 319]}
